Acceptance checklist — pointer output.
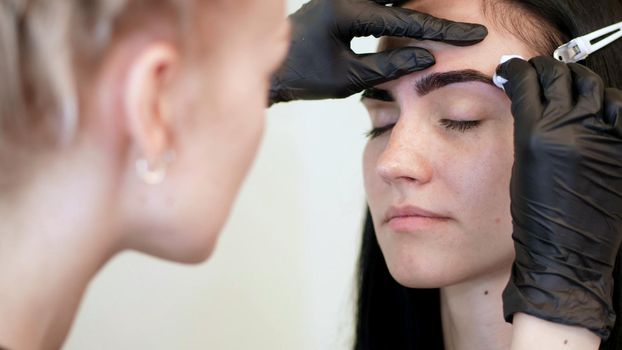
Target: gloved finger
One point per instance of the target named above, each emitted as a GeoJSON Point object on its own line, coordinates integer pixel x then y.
{"type": "Point", "coordinates": [612, 113]}
{"type": "Point", "coordinates": [589, 89]}
{"type": "Point", "coordinates": [377, 68]}
{"type": "Point", "coordinates": [608, 121]}
{"type": "Point", "coordinates": [523, 89]}
{"type": "Point", "coordinates": [396, 21]}
{"type": "Point", "coordinates": [556, 83]}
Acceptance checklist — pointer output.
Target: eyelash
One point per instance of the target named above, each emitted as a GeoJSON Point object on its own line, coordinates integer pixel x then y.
{"type": "Point", "coordinates": [375, 132]}
{"type": "Point", "coordinates": [459, 125]}
{"type": "Point", "coordinates": [449, 124]}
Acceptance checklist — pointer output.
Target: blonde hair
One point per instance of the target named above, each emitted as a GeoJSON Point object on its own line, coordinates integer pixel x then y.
{"type": "Point", "coordinates": [42, 44]}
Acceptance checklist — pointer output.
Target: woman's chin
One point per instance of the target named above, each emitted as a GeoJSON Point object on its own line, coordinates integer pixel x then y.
{"type": "Point", "coordinates": [196, 250]}
{"type": "Point", "coordinates": [195, 256]}
{"type": "Point", "coordinates": [188, 247]}
{"type": "Point", "coordinates": [422, 276]}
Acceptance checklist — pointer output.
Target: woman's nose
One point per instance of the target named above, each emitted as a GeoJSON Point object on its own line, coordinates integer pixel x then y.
{"type": "Point", "coordinates": [405, 157]}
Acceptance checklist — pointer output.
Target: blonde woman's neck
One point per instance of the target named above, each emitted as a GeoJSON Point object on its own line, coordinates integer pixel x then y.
{"type": "Point", "coordinates": [53, 240]}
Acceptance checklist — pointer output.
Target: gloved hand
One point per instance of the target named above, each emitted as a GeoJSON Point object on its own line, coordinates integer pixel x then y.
{"type": "Point", "coordinates": [566, 192]}
{"type": "Point", "coordinates": [320, 63]}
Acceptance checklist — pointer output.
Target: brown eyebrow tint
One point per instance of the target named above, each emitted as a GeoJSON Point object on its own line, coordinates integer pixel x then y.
{"type": "Point", "coordinates": [434, 82]}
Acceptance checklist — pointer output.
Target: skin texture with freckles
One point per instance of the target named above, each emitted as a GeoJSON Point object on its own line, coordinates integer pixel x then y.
{"type": "Point", "coordinates": [447, 172]}
{"type": "Point", "coordinates": [461, 174]}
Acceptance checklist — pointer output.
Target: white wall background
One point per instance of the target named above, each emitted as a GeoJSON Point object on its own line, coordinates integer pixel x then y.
{"type": "Point", "coordinates": [283, 273]}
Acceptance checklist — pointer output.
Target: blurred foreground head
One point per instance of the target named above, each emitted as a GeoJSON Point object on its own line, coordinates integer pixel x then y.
{"type": "Point", "coordinates": [132, 123]}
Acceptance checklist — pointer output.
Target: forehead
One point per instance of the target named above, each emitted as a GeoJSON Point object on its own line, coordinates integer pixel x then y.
{"type": "Point", "coordinates": [483, 56]}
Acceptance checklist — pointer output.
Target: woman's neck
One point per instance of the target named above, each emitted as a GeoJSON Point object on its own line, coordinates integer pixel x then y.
{"type": "Point", "coordinates": [39, 300]}
{"type": "Point", "coordinates": [472, 314]}
{"type": "Point", "coordinates": [51, 244]}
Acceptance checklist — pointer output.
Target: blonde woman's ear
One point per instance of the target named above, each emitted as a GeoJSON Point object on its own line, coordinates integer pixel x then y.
{"type": "Point", "coordinates": [145, 100]}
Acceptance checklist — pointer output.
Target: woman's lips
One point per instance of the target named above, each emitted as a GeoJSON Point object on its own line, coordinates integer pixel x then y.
{"type": "Point", "coordinates": [411, 218]}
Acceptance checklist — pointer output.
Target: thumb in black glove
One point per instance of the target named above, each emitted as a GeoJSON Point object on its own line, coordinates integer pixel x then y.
{"type": "Point", "coordinates": [566, 192]}
{"type": "Point", "coordinates": [320, 63]}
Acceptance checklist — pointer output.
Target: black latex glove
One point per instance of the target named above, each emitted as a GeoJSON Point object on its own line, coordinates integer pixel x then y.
{"type": "Point", "coordinates": [320, 63]}
{"type": "Point", "coordinates": [566, 191]}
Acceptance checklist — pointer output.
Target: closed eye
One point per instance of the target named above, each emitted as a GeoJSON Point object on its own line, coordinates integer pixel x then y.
{"type": "Point", "coordinates": [459, 125]}
{"type": "Point", "coordinates": [375, 132]}
{"type": "Point", "coordinates": [450, 124]}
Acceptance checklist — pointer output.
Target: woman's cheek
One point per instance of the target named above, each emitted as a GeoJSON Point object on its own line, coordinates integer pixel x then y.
{"type": "Point", "coordinates": [369, 161]}
{"type": "Point", "coordinates": [372, 153]}
{"type": "Point", "coordinates": [489, 181]}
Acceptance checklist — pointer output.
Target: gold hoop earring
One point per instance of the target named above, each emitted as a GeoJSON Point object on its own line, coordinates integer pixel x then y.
{"type": "Point", "coordinates": [155, 173]}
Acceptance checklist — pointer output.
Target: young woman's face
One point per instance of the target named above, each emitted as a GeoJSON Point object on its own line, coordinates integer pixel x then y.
{"type": "Point", "coordinates": [437, 169]}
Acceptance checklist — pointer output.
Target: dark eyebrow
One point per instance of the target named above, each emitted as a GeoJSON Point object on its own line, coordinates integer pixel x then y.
{"type": "Point", "coordinates": [433, 82]}
{"type": "Point", "coordinates": [436, 81]}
